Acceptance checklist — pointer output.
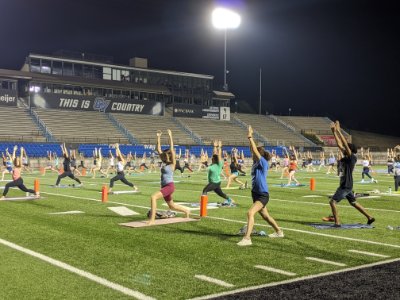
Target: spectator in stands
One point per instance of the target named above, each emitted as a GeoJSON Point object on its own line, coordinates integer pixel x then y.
{"type": "Point", "coordinates": [345, 189]}
{"type": "Point", "coordinates": [67, 167]}
{"type": "Point", "coordinates": [120, 170]}
{"type": "Point", "coordinates": [167, 179]}
{"type": "Point", "coordinates": [293, 167]}
{"type": "Point", "coordinates": [259, 192]}
{"type": "Point", "coordinates": [234, 170]}
{"type": "Point", "coordinates": [16, 176]}
{"type": "Point", "coordinates": [214, 175]}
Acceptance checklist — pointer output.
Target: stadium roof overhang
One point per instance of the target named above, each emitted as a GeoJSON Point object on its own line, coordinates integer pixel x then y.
{"type": "Point", "coordinates": [96, 83]}
{"type": "Point", "coordinates": [203, 76]}
{"type": "Point", "coordinates": [225, 95]}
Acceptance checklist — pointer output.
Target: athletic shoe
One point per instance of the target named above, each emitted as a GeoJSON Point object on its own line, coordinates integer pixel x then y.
{"type": "Point", "coordinates": [370, 221]}
{"type": "Point", "coordinates": [245, 242]}
{"type": "Point", "coordinates": [362, 181]}
{"type": "Point", "coordinates": [135, 188]}
{"type": "Point", "coordinates": [278, 234]}
{"type": "Point", "coordinates": [337, 225]}
{"type": "Point", "coordinates": [2, 198]}
{"type": "Point", "coordinates": [376, 181]}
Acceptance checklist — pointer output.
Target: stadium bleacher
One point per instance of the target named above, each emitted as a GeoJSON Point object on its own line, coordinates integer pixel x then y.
{"type": "Point", "coordinates": [144, 128]}
{"type": "Point", "coordinates": [273, 131]}
{"type": "Point", "coordinates": [80, 126]}
{"type": "Point", "coordinates": [17, 125]}
{"type": "Point", "coordinates": [209, 130]}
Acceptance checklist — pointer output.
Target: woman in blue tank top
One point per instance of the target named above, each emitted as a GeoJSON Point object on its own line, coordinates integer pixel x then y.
{"type": "Point", "coordinates": [168, 159]}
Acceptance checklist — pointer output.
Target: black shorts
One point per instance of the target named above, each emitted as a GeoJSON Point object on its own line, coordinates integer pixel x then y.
{"type": "Point", "coordinates": [261, 197]}
{"type": "Point", "coordinates": [344, 193]}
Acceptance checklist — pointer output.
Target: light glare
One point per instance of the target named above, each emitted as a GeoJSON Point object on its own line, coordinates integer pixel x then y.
{"type": "Point", "coordinates": [223, 18]}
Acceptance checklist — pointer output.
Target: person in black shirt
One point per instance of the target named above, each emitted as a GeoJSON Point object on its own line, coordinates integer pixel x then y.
{"type": "Point", "coordinates": [67, 167]}
{"type": "Point", "coordinates": [345, 189]}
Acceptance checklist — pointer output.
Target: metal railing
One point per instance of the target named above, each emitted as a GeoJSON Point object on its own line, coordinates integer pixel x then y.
{"type": "Point", "coordinates": [122, 129]}
{"type": "Point", "coordinates": [185, 128]}
{"type": "Point", "coordinates": [42, 126]}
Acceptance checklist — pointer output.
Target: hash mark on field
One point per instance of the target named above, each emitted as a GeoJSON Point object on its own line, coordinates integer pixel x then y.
{"type": "Point", "coordinates": [77, 271]}
{"type": "Point", "coordinates": [275, 270]}
{"type": "Point", "coordinates": [369, 253]}
{"type": "Point", "coordinates": [214, 280]}
{"type": "Point", "coordinates": [324, 261]}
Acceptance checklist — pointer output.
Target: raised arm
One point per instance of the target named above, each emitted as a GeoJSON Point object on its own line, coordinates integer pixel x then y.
{"type": "Point", "coordinates": [344, 141]}
{"type": "Point", "coordinates": [253, 146]}
{"type": "Point", "coordinates": [65, 151]}
{"type": "Point", "coordinates": [159, 133]}
{"type": "Point", "coordinates": [21, 154]}
{"type": "Point", "coordinates": [119, 154]}
{"type": "Point", "coordinates": [172, 149]}
{"type": "Point", "coordinates": [14, 151]}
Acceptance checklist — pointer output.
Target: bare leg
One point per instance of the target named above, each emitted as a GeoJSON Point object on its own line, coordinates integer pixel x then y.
{"type": "Point", "coordinates": [334, 211]}
{"type": "Point", "coordinates": [172, 205]}
{"type": "Point", "coordinates": [257, 206]}
{"type": "Point", "coordinates": [271, 221]}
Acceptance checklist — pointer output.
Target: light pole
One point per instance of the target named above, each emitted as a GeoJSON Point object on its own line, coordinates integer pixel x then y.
{"type": "Point", "coordinates": [225, 19]}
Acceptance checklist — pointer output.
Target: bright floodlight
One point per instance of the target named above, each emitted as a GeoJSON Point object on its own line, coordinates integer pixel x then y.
{"type": "Point", "coordinates": [223, 18]}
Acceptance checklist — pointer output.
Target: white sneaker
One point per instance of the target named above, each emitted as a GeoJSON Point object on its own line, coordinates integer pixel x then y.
{"type": "Point", "coordinates": [362, 181]}
{"type": "Point", "coordinates": [245, 242]}
{"type": "Point", "coordinates": [376, 181]}
{"type": "Point", "coordinates": [278, 234]}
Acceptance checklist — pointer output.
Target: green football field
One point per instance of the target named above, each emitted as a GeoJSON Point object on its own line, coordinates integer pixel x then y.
{"type": "Point", "coordinates": [88, 255]}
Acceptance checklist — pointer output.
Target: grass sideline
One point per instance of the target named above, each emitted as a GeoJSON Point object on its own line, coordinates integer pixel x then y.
{"type": "Point", "coordinates": [162, 261]}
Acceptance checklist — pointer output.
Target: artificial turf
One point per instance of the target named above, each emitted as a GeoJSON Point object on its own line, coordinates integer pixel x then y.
{"type": "Point", "coordinates": [162, 261]}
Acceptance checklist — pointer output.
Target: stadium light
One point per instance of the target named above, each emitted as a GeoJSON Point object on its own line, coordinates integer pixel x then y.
{"type": "Point", "coordinates": [225, 19]}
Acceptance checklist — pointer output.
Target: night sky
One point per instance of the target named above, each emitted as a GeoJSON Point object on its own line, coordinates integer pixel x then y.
{"type": "Point", "coordinates": [336, 58]}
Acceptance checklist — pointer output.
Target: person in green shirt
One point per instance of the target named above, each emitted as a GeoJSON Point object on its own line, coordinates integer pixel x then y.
{"type": "Point", "coordinates": [214, 174]}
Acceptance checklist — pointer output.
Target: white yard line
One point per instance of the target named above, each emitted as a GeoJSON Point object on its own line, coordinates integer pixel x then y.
{"type": "Point", "coordinates": [303, 278]}
{"type": "Point", "coordinates": [214, 281]}
{"type": "Point", "coordinates": [90, 276]}
{"type": "Point", "coordinates": [324, 261]}
{"type": "Point", "coordinates": [369, 253]}
{"type": "Point", "coordinates": [243, 222]}
{"type": "Point", "coordinates": [269, 269]}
